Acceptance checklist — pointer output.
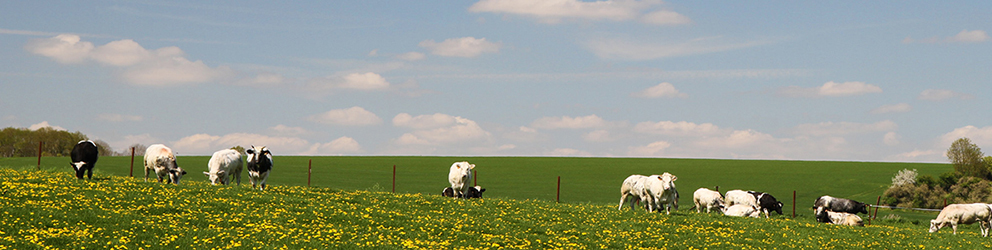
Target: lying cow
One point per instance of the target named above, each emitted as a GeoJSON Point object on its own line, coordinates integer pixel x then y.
{"type": "Point", "coordinates": [741, 210]}
{"type": "Point", "coordinates": [83, 158]}
{"type": "Point", "coordinates": [663, 194]}
{"type": "Point", "coordinates": [473, 192]}
{"type": "Point", "coordinates": [160, 159]}
{"type": "Point", "coordinates": [634, 189]}
{"type": "Point", "coordinates": [840, 205]}
{"type": "Point", "coordinates": [224, 164]}
{"type": "Point", "coordinates": [703, 197]}
{"type": "Point", "coordinates": [838, 218]}
{"type": "Point", "coordinates": [459, 176]}
{"type": "Point", "coordinates": [259, 165]}
{"type": "Point", "coordinates": [955, 214]}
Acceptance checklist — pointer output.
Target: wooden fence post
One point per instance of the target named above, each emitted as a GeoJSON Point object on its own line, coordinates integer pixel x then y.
{"type": "Point", "coordinates": [793, 204]}
{"type": "Point", "coordinates": [877, 202]}
{"type": "Point", "coordinates": [558, 193]}
{"type": "Point", "coordinates": [475, 178]}
{"type": "Point", "coordinates": [131, 173]}
{"type": "Point", "coordinates": [394, 178]}
{"type": "Point", "coordinates": [309, 171]}
{"type": "Point", "coordinates": [39, 154]}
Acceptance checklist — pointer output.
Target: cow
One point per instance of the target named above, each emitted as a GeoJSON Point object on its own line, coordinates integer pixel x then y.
{"type": "Point", "coordinates": [448, 192]}
{"type": "Point", "coordinates": [703, 197]}
{"type": "Point", "coordinates": [459, 176]}
{"type": "Point", "coordinates": [738, 196]}
{"type": "Point", "coordinates": [955, 214]}
{"type": "Point", "coordinates": [767, 203]}
{"type": "Point", "coordinates": [663, 194]}
{"type": "Point", "coordinates": [474, 192]}
{"type": "Point", "coordinates": [838, 218]}
{"type": "Point", "coordinates": [840, 205]}
{"type": "Point", "coordinates": [741, 210]}
{"type": "Point", "coordinates": [633, 188]}
{"type": "Point", "coordinates": [259, 165]}
{"type": "Point", "coordinates": [160, 159]}
{"type": "Point", "coordinates": [83, 158]}
{"type": "Point", "coordinates": [224, 164]}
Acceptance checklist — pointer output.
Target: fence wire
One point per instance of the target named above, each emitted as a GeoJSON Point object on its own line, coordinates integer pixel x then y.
{"type": "Point", "coordinates": [908, 208]}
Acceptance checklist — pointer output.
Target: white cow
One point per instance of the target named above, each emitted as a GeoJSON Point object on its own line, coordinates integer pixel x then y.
{"type": "Point", "coordinates": [704, 197]}
{"type": "Point", "coordinates": [740, 210]}
{"type": "Point", "coordinates": [460, 176]}
{"type": "Point", "coordinates": [160, 159]}
{"type": "Point", "coordinates": [661, 188]}
{"type": "Point", "coordinates": [955, 214]}
{"type": "Point", "coordinates": [634, 186]}
{"type": "Point", "coordinates": [224, 164]}
{"type": "Point", "coordinates": [838, 218]}
{"type": "Point", "coordinates": [738, 196]}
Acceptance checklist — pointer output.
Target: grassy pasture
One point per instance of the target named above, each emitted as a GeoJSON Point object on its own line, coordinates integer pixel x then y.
{"type": "Point", "coordinates": [584, 180]}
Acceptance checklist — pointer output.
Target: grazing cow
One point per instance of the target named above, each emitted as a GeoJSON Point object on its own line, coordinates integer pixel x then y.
{"type": "Point", "coordinates": [634, 187]}
{"type": "Point", "coordinates": [840, 205]}
{"type": "Point", "coordinates": [955, 214]}
{"type": "Point", "coordinates": [224, 164]}
{"type": "Point", "coordinates": [741, 210]}
{"type": "Point", "coordinates": [448, 192]}
{"type": "Point", "coordinates": [474, 192]}
{"type": "Point", "coordinates": [703, 197]}
{"type": "Point", "coordinates": [661, 188]}
{"type": "Point", "coordinates": [459, 176]}
{"type": "Point", "coordinates": [160, 159]}
{"type": "Point", "coordinates": [84, 156]}
{"type": "Point", "coordinates": [259, 165]}
{"type": "Point", "coordinates": [838, 218]}
{"type": "Point", "coordinates": [767, 203]}
{"type": "Point", "coordinates": [738, 196]}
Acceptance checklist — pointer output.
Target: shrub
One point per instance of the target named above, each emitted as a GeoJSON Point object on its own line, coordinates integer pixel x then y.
{"type": "Point", "coordinates": [904, 177]}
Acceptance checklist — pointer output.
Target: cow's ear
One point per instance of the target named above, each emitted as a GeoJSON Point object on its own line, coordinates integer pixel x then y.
{"type": "Point", "coordinates": [674, 178]}
{"type": "Point", "coordinates": [250, 151]}
{"type": "Point", "coordinates": [184, 172]}
{"type": "Point", "coordinates": [220, 172]}
{"type": "Point", "coordinates": [471, 166]}
{"type": "Point", "coordinates": [207, 174]}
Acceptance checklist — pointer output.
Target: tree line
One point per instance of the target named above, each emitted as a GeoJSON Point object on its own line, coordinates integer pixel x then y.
{"type": "Point", "coordinates": [23, 142]}
{"type": "Point", "coordinates": [969, 182]}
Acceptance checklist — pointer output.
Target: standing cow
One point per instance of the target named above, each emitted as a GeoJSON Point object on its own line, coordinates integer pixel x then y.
{"type": "Point", "coordinates": [459, 176]}
{"type": "Point", "coordinates": [840, 205]}
{"type": "Point", "coordinates": [224, 164]}
{"type": "Point", "coordinates": [955, 214]}
{"type": "Point", "coordinates": [633, 189]}
{"type": "Point", "coordinates": [84, 156]}
{"type": "Point", "coordinates": [767, 203]}
{"type": "Point", "coordinates": [259, 165]}
{"type": "Point", "coordinates": [160, 159]}
{"type": "Point", "coordinates": [663, 194]}
{"type": "Point", "coordinates": [704, 197]}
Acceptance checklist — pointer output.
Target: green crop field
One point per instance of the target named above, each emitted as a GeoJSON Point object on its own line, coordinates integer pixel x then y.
{"type": "Point", "coordinates": [349, 205]}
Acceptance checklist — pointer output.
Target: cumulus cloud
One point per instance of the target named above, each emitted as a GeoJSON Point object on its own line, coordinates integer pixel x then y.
{"type": "Point", "coordinates": [44, 124]}
{"type": "Point", "coordinates": [567, 152]}
{"type": "Point", "coordinates": [556, 11]}
{"type": "Point", "coordinates": [892, 108]}
{"type": "Point", "coordinates": [740, 139]}
{"type": "Point", "coordinates": [461, 47]}
{"type": "Point", "coordinates": [965, 36]}
{"type": "Point", "coordinates": [368, 81]}
{"type": "Point", "coordinates": [430, 131]}
{"type": "Point", "coordinates": [942, 94]}
{"type": "Point", "coordinates": [652, 149]}
{"type": "Point", "coordinates": [980, 136]}
{"type": "Point", "coordinates": [682, 128]}
{"type": "Point", "coordinates": [831, 89]}
{"type": "Point", "coordinates": [283, 130]}
{"type": "Point", "coordinates": [614, 48]}
{"type": "Point", "coordinates": [891, 139]}
{"type": "Point", "coordinates": [664, 89]}
{"type": "Point", "coordinates": [119, 117]}
{"type": "Point", "coordinates": [354, 116]}
{"type": "Point", "coordinates": [343, 145]}
{"type": "Point", "coordinates": [567, 122]}
{"type": "Point", "coordinates": [436, 120]}
{"type": "Point", "coordinates": [163, 66]}
{"type": "Point", "coordinates": [600, 135]}
{"type": "Point", "coordinates": [205, 144]}
{"type": "Point", "coordinates": [844, 128]}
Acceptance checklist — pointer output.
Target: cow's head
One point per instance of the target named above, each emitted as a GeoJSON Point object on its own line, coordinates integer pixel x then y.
{"type": "Point", "coordinates": [934, 225]}
{"type": "Point", "coordinates": [259, 155]}
{"type": "Point", "coordinates": [475, 192]}
{"type": "Point", "coordinates": [864, 208]}
{"type": "Point", "coordinates": [463, 169]}
{"type": "Point", "coordinates": [448, 192]}
{"type": "Point", "coordinates": [176, 173]}
{"type": "Point", "coordinates": [217, 177]}
{"type": "Point", "coordinates": [778, 208]}
{"type": "Point", "coordinates": [667, 180]}
{"type": "Point", "coordinates": [78, 167]}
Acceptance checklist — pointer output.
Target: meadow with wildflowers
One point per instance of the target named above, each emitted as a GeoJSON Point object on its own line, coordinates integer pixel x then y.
{"type": "Point", "coordinates": [51, 209]}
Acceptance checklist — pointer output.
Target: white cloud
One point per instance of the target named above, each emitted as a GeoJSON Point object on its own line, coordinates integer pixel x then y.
{"type": "Point", "coordinates": [354, 116]}
{"type": "Point", "coordinates": [918, 155]}
{"type": "Point", "coordinates": [942, 94]}
{"type": "Point", "coordinates": [891, 139]}
{"type": "Point", "coordinates": [128, 140]}
{"type": "Point", "coordinates": [368, 81]}
{"type": "Point", "coordinates": [661, 90]}
{"type": "Point", "coordinates": [556, 11]}
{"type": "Point", "coordinates": [892, 108]}
{"type": "Point", "coordinates": [283, 130]}
{"type": "Point", "coordinates": [44, 124]}
{"type": "Point", "coordinates": [567, 152]}
{"type": "Point", "coordinates": [980, 136]}
{"type": "Point", "coordinates": [205, 144]}
{"type": "Point", "coordinates": [739, 139]}
{"type": "Point", "coordinates": [965, 36]}
{"type": "Point", "coordinates": [831, 89]}
{"type": "Point", "coordinates": [411, 56]}
{"type": "Point", "coordinates": [262, 79]}
{"type": "Point", "coordinates": [436, 120]}
{"type": "Point", "coordinates": [428, 133]}
{"type": "Point", "coordinates": [652, 149]}
{"type": "Point", "coordinates": [844, 128]}
{"type": "Point", "coordinates": [613, 48]}
{"type": "Point", "coordinates": [343, 145]}
{"type": "Point", "coordinates": [567, 122]}
{"type": "Point", "coordinates": [119, 117]}
{"type": "Point", "coordinates": [601, 135]}
{"type": "Point", "coordinates": [681, 128]}
{"type": "Point", "coordinates": [461, 47]}
{"type": "Point", "coordinates": [163, 66]}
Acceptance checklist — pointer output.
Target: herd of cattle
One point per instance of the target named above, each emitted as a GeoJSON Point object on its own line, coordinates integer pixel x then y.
{"type": "Point", "coordinates": [657, 192]}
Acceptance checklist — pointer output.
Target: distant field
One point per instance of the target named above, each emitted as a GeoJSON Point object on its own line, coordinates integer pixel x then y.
{"type": "Point", "coordinates": [583, 180]}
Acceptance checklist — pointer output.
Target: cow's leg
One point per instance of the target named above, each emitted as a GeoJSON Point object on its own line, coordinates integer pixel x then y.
{"type": "Point", "coordinates": [954, 226]}
{"type": "Point", "coordinates": [146, 174]}
{"type": "Point", "coordinates": [984, 226]}
{"type": "Point", "coordinates": [89, 173]}
{"type": "Point", "coordinates": [623, 198]}
{"type": "Point", "coordinates": [237, 175]}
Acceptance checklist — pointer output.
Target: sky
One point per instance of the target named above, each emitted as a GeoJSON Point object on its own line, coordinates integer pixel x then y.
{"type": "Point", "coordinates": [838, 80]}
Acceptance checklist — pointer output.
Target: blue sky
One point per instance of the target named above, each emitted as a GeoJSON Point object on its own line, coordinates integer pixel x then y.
{"type": "Point", "coordinates": [849, 80]}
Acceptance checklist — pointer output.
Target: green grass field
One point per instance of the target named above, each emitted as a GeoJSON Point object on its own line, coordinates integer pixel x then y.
{"type": "Point", "coordinates": [350, 197]}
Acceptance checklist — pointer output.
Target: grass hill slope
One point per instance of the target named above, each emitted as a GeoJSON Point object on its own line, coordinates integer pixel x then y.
{"type": "Point", "coordinates": [51, 209]}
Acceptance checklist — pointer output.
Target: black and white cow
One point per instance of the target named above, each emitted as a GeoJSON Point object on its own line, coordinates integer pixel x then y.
{"type": "Point", "coordinates": [448, 192]}
{"type": "Point", "coordinates": [473, 192]}
{"type": "Point", "coordinates": [259, 165]}
{"type": "Point", "coordinates": [767, 202]}
{"type": "Point", "coordinates": [84, 156]}
{"type": "Point", "coordinates": [840, 205]}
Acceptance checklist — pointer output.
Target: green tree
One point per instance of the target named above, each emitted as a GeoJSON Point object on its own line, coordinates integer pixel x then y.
{"type": "Point", "coordinates": [967, 158]}
{"type": "Point", "coordinates": [239, 148]}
